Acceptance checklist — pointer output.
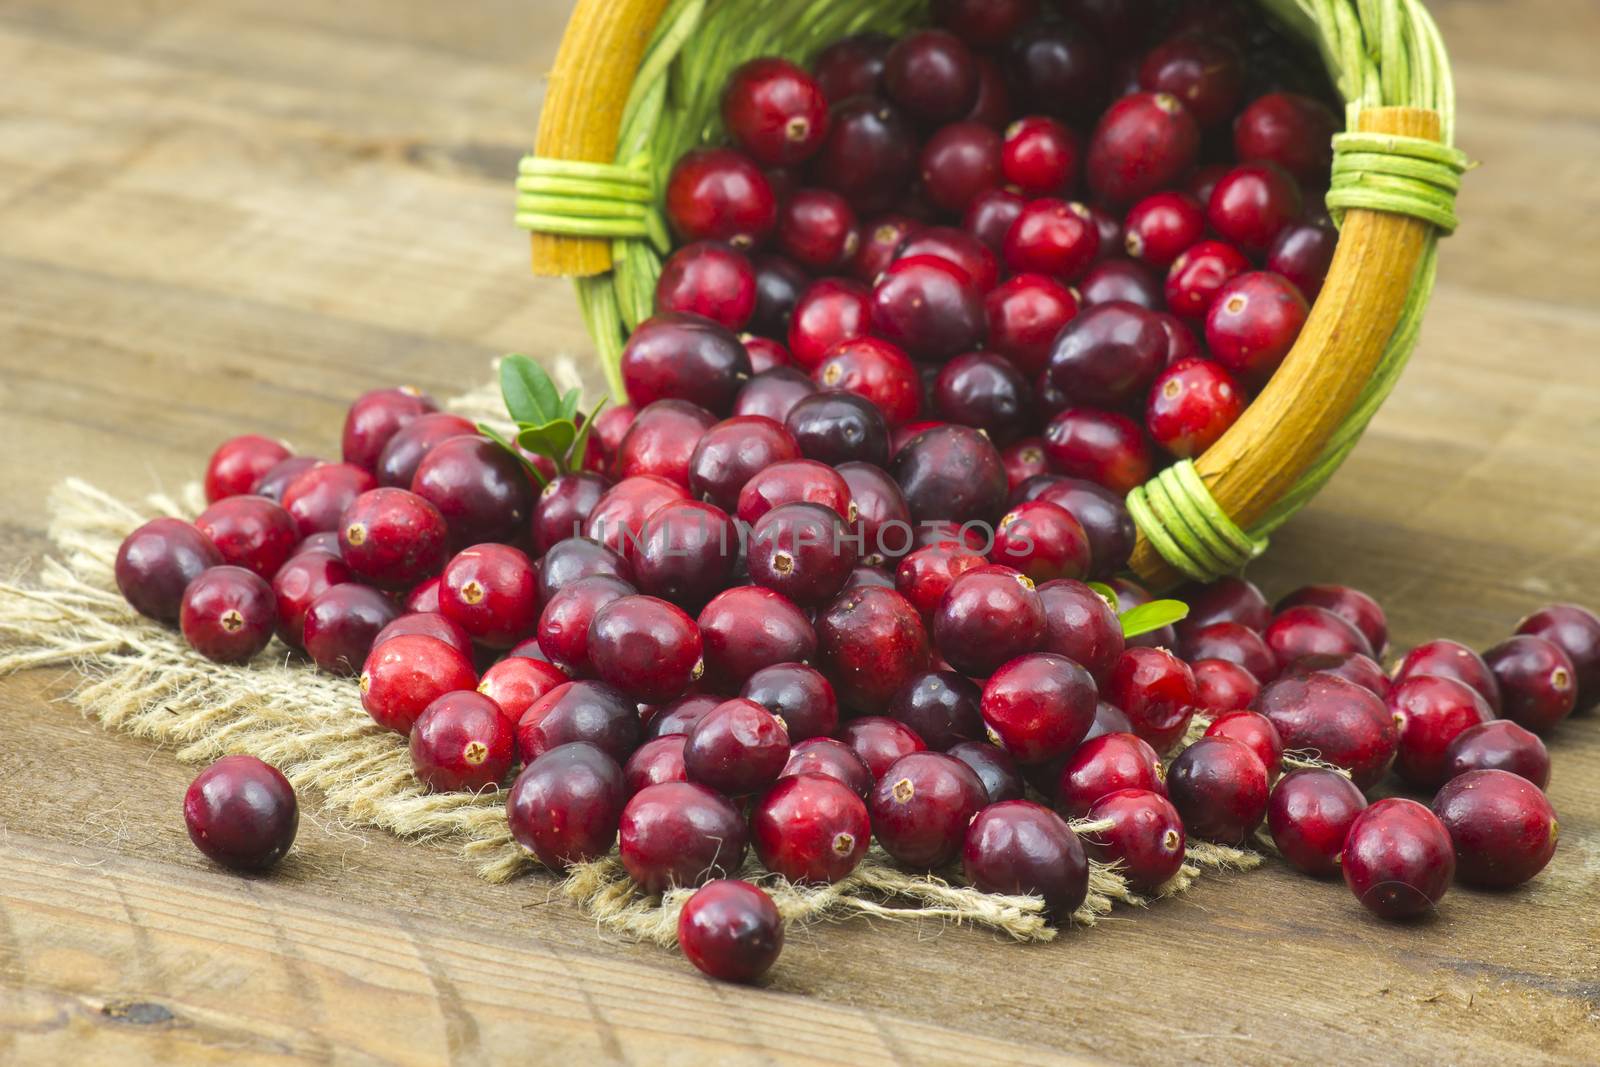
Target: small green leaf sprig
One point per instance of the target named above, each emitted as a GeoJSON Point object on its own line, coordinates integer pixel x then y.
{"type": "Point", "coordinates": [547, 421]}
{"type": "Point", "coordinates": [1145, 617]}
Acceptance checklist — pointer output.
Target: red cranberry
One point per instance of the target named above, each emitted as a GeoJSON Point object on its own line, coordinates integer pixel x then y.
{"type": "Point", "coordinates": [870, 155]}
{"type": "Point", "coordinates": [1146, 839]}
{"type": "Point", "coordinates": [731, 931]}
{"type": "Point", "coordinates": [1156, 690]}
{"type": "Point", "coordinates": [481, 490]}
{"type": "Point", "coordinates": [1430, 713]}
{"type": "Point", "coordinates": [1017, 846]}
{"type": "Point", "coordinates": [398, 462]}
{"type": "Point", "coordinates": [579, 711]}
{"type": "Point", "coordinates": [926, 574]}
{"type": "Point", "coordinates": [1162, 226]}
{"type": "Point", "coordinates": [318, 497]}
{"type": "Point", "coordinates": [1451, 659]}
{"type": "Point", "coordinates": [610, 426]}
{"type": "Point", "coordinates": [278, 476]}
{"type": "Point", "coordinates": [376, 417]}
{"type": "Point", "coordinates": [1060, 68]}
{"type": "Point", "coordinates": [1039, 707]}
{"type": "Point", "coordinates": [793, 482]}
{"type": "Point", "coordinates": [817, 228]}
{"type": "Point", "coordinates": [1337, 720]}
{"type": "Point", "coordinates": [1576, 632]}
{"type": "Point", "coordinates": [1108, 719]}
{"type": "Point", "coordinates": [462, 741]}
{"type": "Point", "coordinates": [564, 507]}
{"type": "Point", "coordinates": [1219, 787]}
{"type": "Point", "coordinates": [1109, 354]}
{"type": "Point", "coordinates": [876, 370]}
{"type": "Point", "coordinates": [1221, 686]}
{"type": "Point", "coordinates": [1537, 681]}
{"type": "Point", "coordinates": [1103, 447]}
{"type": "Point", "coordinates": [1351, 605]}
{"type": "Point", "coordinates": [1043, 541]}
{"type": "Point", "coordinates": [749, 627]}
{"type": "Point", "coordinates": [1233, 642]}
{"type": "Point", "coordinates": [851, 66]}
{"type": "Point", "coordinates": [430, 624]}
{"type": "Point", "coordinates": [921, 807]}
{"type": "Point", "coordinates": [772, 394]}
{"type": "Point", "coordinates": [342, 624]}
{"type": "Point", "coordinates": [765, 354]}
{"type": "Point", "coordinates": [517, 681]}
{"type": "Point", "coordinates": [241, 813]}
{"type": "Point", "coordinates": [156, 563]}
{"type": "Point", "coordinates": [1302, 253]}
{"type": "Point", "coordinates": [578, 557]}
{"type": "Point", "coordinates": [1502, 827]}
{"type": "Point", "coordinates": [1254, 322]}
{"type": "Point", "coordinates": [1397, 859]}
{"type": "Point", "coordinates": [238, 462]}
{"type": "Point", "coordinates": [657, 760]}
{"type": "Point", "coordinates": [1306, 630]}
{"type": "Point", "coordinates": [250, 532]}
{"type": "Point", "coordinates": [810, 829]}
{"type": "Point", "coordinates": [1309, 814]}
{"type": "Point", "coordinates": [406, 673]}
{"type": "Point", "coordinates": [662, 440]}
{"type": "Point", "coordinates": [1025, 314]}
{"type": "Point", "coordinates": [1025, 459]}
{"type": "Point", "coordinates": [990, 615]}
{"type": "Point", "coordinates": [1230, 599]}
{"type": "Point", "coordinates": [1102, 514]}
{"type": "Point", "coordinates": [491, 590]}
{"type": "Point", "coordinates": [680, 834]}
{"type": "Point", "coordinates": [680, 716]}
{"type": "Point", "coordinates": [227, 614]}
{"type": "Point", "coordinates": [1199, 274]}
{"type": "Point", "coordinates": [1040, 156]}
{"type": "Point", "coordinates": [960, 161]}
{"type": "Point", "coordinates": [951, 472]}
{"type": "Point", "coordinates": [1192, 404]}
{"type": "Point", "coordinates": [870, 641]}
{"type": "Point", "coordinates": [709, 279]}
{"type": "Point", "coordinates": [566, 804]}
{"type": "Point", "coordinates": [1501, 745]}
{"type": "Point", "coordinates": [829, 758]}
{"type": "Point", "coordinates": [646, 647]}
{"type": "Point", "coordinates": [688, 553]}
{"type": "Point", "coordinates": [617, 523]}
{"type": "Point", "coordinates": [392, 538]}
{"type": "Point", "coordinates": [1205, 72]}
{"type": "Point", "coordinates": [1052, 237]}
{"type": "Point", "coordinates": [929, 307]}
{"type": "Point", "coordinates": [830, 311]}
{"type": "Point", "coordinates": [1293, 131]}
{"type": "Point", "coordinates": [1144, 142]}
{"type": "Point", "coordinates": [958, 248]}
{"type": "Point", "coordinates": [1103, 765]}
{"type": "Point", "coordinates": [775, 111]}
{"type": "Point", "coordinates": [931, 74]}
{"type": "Point", "coordinates": [300, 581]}
{"type": "Point", "coordinates": [839, 427]}
{"type": "Point", "coordinates": [1081, 626]}
{"type": "Point", "coordinates": [738, 747]}
{"type": "Point", "coordinates": [1181, 343]}
{"type": "Point", "coordinates": [941, 707]}
{"type": "Point", "coordinates": [1123, 281]}
{"type": "Point", "coordinates": [1254, 732]}
{"type": "Point", "coordinates": [720, 195]}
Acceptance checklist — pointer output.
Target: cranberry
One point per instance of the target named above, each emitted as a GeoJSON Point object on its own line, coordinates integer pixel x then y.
{"type": "Point", "coordinates": [1203, 180]}
{"type": "Point", "coordinates": [1192, 404]}
{"type": "Point", "coordinates": [993, 106]}
{"type": "Point", "coordinates": [880, 508]}
{"type": "Point", "coordinates": [238, 462]}
{"type": "Point", "coordinates": [921, 807]}
{"type": "Point", "coordinates": [960, 161]}
{"type": "Point", "coordinates": [579, 711]}
{"type": "Point", "coordinates": [462, 742]}
{"type": "Point", "coordinates": [990, 615]}
{"type": "Point", "coordinates": [675, 356]}
{"type": "Point", "coordinates": [1451, 659]}
{"type": "Point", "coordinates": [227, 614]}
{"type": "Point", "coordinates": [1102, 514]}
{"type": "Point", "coordinates": [1254, 732]}
{"type": "Point", "coordinates": [1293, 131]}
{"type": "Point", "coordinates": [566, 804]}
{"type": "Point", "coordinates": [1017, 846]}
{"type": "Point", "coordinates": [838, 427]}
{"type": "Point", "coordinates": [646, 647]}
{"type": "Point", "coordinates": [1124, 281]}
{"type": "Point", "coordinates": [1502, 745]}
{"type": "Point", "coordinates": [1103, 765]}
{"type": "Point", "coordinates": [871, 640]}
{"type": "Point", "coordinates": [882, 239]}
{"type": "Point", "coordinates": [1219, 787]}
{"type": "Point", "coordinates": [1059, 67]}
{"type": "Point", "coordinates": [1156, 689]}
{"type": "Point", "coordinates": [658, 760]}
{"type": "Point", "coordinates": [1039, 707]}
{"type": "Point", "coordinates": [300, 581]}
{"type": "Point", "coordinates": [811, 829]}
{"type": "Point", "coordinates": [277, 477]}
{"type": "Point", "coordinates": [1199, 274]}
{"type": "Point", "coordinates": [749, 627]}
{"type": "Point", "coordinates": [1081, 626]}
{"type": "Point", "coordinates": [793, 482]}
{"type": "Point", "coordinates": [1144, 142]}
{"type": "Point", "coordinates": [1025, 459]}
{"type": "Point", "coordinates": [876, 370]}
{"type": "Point", "coordinates": [731, 931]}
{"type": "Point", "coordinates": [1043, 541]}
{"type": "Point", "coordinates": [392, 538]}
{"type": "Point", "coordinates": [1205, 72]}
{"type": "Point", "coordinates": [800, 550]}
{"type": "Point", "coordinates": [1502, 827]}
{"type": "Point", "coordinates": [491, 590]}
{"type": "Point", "coordinates": [765, 354]}
{"type": "Point", "coordinates": [1335, 719]}
{"type": "Point", "coordinates": [250, 532]}
{"type": "Point", "coordinates": [617, 523]}
{"type": "Point", "coordinates": [775, 111]}
{"type": "Point", "coordinates": [1221, 686]}
{"type": "Point", "coordinates": [879, 742]}
{"type": "Point", "coordinates": [983, 391]}
{"type": "Point", "coordinates": [830, 311]}
{"type": "Point", "coordinates": [984, 22]}
{"type": "Point", "coordinates": [1181, 343]}
{"type": "Point", "coordinates": [1162, 226]}
{"type": "Point", "coordinates": [564, 508]}
{"type": "Point", "coordinates": [931, 74]}
{"type": "Point", "coordinates": [398, 462]}
{"type": "Point", "coordinates": [1025, 314]}
{"type": "Point", "coordinates": [1576, 632]}
{"type": "Point", "coordinates": [951, 472]}
{"type": "Point", "coordinates": [1109, 354]}
{"type": "Point", "coordinates": [406, 673]}
{"type": "Point", "coordinates": [1253, 323]}
{"type": "Point", "coordinates": [994, 768]}
{"type": "Point", "coordinates": [738, 747]}
{"type": "Point", "coordinates": [1103, 447]}
{"type": "Point", "coordinates": [817, 228]}
{"type": "Point", "coordinates": [579, 557]}
{"type": "Point", "coordinates": [851, 66]}
{"type": "Point", "coordinates": [680, 834]}
{"type": "Point", "coordinates": [1397, 859]}
{"type": "Point", "coordinates": [928, 306]}
{"type": "Point", "coordinates": [430, 624]}
{"type": "Point", "coordinates": [1537, 681]}
{"type": "Point", "coordinates": [376, 417]}
{"type": "Point", "coordinates": [1307, 630]}
{"type": "Point", "coordinates": [1351, 605]}
{"type": "Point", "coordinates": [680, 716]}
{"type": "Point", "coordinates": [926, 574]}
{"type": "Point", "coordinates": [870, 155]}
{"type": "Point", "coordinates": [1309, 814]}
{"type": "Point", "coordinates": [318, 497]}
{"type": "Point", "coordinates": [771, 394]}
{"type": "Point", "coordinates": [957, 248]}
{"type": "Point", "coordinates": [662, 441]}
{"type": "Point", "coordinates": [709, 279]}
{"type": "Point", "coordinates": [1052, 237]}
{"type": "Point", "coordinates": [610, 426]}
{"type": "Point", "coordinates": [1233, 642]}
{"type": "Point", "coordinates": [1230, 599]}
{"type": "Point", "coordinates": [517, 681]}
{"type": "Point", "coordinates": [342, 624]}
{"type": "Point", "coordinates": [1146, 839]}
{"type": "Point", "coordinates": [800, 696]}
{"type": "Point", "coordinates": [941, 707]}
{"type": "Point", "coordinates": [1040, 156]}
{"type": "Point", "coordinates": [1302, 253]}
{"type": "Point", "coordinates": [990, 216]}
{"type": "Point", "coordinates": [481, 490]}
{"type": "Point", "coordinates": [156, 563]}
{"type": "Point", "coordinates": [241, 813]}
{"type": "Point", "coordinates": [1430, 714]}
{"type": "Point", "coordinates": [688, 553]}
{"type": "Point", "coordinates": [719, 194]}
{"type": "Point", "coordinates": [829, 758]}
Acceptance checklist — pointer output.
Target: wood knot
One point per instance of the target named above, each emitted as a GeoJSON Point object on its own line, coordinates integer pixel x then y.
{"type": "Point", "coordinates": [137, 1012]}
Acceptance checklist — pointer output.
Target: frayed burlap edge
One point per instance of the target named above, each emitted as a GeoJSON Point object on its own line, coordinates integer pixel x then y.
{"type": "Point", "coordinates": [141, 678]}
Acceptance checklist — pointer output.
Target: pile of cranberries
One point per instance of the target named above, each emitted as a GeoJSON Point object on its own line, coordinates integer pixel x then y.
{"type": "Point", "coordinates": [837, 579]}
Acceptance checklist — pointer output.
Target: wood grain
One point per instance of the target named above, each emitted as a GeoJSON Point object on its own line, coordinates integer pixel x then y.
{"type": "Point", "coordinates": [237, 214]}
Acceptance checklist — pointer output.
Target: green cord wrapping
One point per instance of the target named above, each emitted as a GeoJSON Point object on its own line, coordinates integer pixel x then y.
{"type": "Point", "coordinates": [1378, 52]}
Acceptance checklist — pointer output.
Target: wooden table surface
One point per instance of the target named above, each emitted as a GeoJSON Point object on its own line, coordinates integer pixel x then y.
{"type": "Point", "coordinates": [220, 216]}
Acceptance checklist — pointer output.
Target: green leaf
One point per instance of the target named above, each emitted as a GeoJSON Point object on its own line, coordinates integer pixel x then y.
{"type": "Point", "coordinates": [529, 394]}
{"type": "Point", "coordinates": [551, 439]}
{"type": "Point", "coordinates": [580, 444]}
{"type": "Point", "coordinates": [1108, 594]}
{"type": "Point", "coordinates": [494, 435]}
{"type": "Point", "coordinates": [569, 402]}
{"type": "Point", "coordinates": [1152, 616]}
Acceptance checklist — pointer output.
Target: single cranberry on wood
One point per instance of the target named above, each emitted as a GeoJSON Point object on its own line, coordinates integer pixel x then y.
{"type": "Point", "coordinates": [731, 930]}
{"type": "Point", "coordinates": [1502, 827]}
{"type": "Point", "coordinates": [1499, 745]}
{"type": "Point", "coordinates": [1537, 681]}
{"type": "Point", "coordinates": [1576, 631]}
{"type": "Point", "coordinates": [242, 813]}
{"type": "Point", "coordinates": [1398, 859]}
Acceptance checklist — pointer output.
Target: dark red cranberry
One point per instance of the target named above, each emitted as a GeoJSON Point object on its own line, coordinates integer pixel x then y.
{"type": "Point", "coordinates": [517, 681]}
{"type": "Point", "coordinates": [1254, 732]}
{"type": "Point", "coordinates": [1017, 846]}
{"type": "Point", "coordinates": [1309, 814]}
{"type": "Point", "coordinates": [1025, 459]}
{"type": "Point", "coordinates": [775, 111]}
{"type": "Point", "coordinates": [578, 557]}
{"type": "Point", "coordinates": [1230, 599]}
{"type": "Point", "coordinates": [392, 538]}
{"type": "Point", "coordinates": [318, 497]}
{"type": "Point", "coordinates": [1144, 142]}
{"type": "Point", "coordinates": [1576, 631]}
{"type": "Point", "coordinates": [1102, 766]}
{"type": "Point", "coordinates": [646, 647]}
{"type": "Point", "coordinates": [839, 427]}
{"type": "Point", "coordinates": [990, 216]}
{"type": "Point", "coordinates": [731, 931]}
{"type": "Point", "coordinates": [929, 307]}
{"type": "Point", "coordinates": [951, 472]}
{"type": "Point", "coordinates": [683, 357]}
{"type": "Point", "coordinates": [566, 804]}
{"type": "Point", "coordinates": [989, 616]}
{"type": "Point", "coordinates": [883, 518]}
{"type": "Point", "coordinates": [1102, 514]}
{"type": "Point", "coordinates": [462, 741]}
{"type": "Point", "coordinates": [278, 476]}
{"type": "Point", "coordinates": [958, 162]}
{"type": "Point", "coordinates": [709, 279]}
{"type": "Point", "coordinates": [156, 563]}
{"type": "Point", "coordinates": [881, 241]}
{"type": "Point", "coordinates": [830, 311]}
{"type": "Point", "coordinates": [662, 441]}
{"type": "Point", "coordinates": [1501, 745]}
{"type": "Point", "coordinates": [1430, 713]}
{"type": "Point", "coordinates": [1156, 690]}
{"type": "Point", "coordinates": [720, 195]}
{"type": "Point", "coordinates": [817, 229]}
{"type": "Point", "coordinates": [773, 394]}
{"type": "Point", "coordinates": [680, 834]}
{"type": "Point", "coordinates": [1221, 686]}
{"type": "Point", "coordinates": [431, 624]}
{"type": "Point", "coordinates": [932, 74]}
{"type": "Point", "coordinates": [657, 760]}
{"type": "Point", "coordinates": [580, 711]}
{"type": "Point", "coordinates": [610, 426]}
{"type": "Point", "coordinates": [1199, 274]}
{"type": "Point", "coordinates": [250, 532]}
{"type": "Point", "coordinates": [1338, 720]}
{"type": "Point", "coordinates": [227, 614]}
{"type": "Point", "coordinates": [1451, 659]}
{"type": "Point", "coordinates": [1203, 180]}
{"type": "Point", "coordinates": [1233, 642]}
{"type": "Point", "coordinates": [1204, 72]}
{"type": "Point", "coordinates": [1121, 281]}
{"type": "Point", "coordinates": [1192, 404]}
{"type": "Point", "coordinates": [1254, 321]}
{"type": "Point", "coordinates": [408, 672]}
{"type": "Point", "coordinates": [793, 482]}
{"type": "Point", "coordinates": [300, 581]}
{"type": "Point", "coordinates": [1162, 226]}
{"type": "Point", "coordinates": [870, 641]}
{"type": "Point", "coordinates": [342, 623]}
{"type": "Point", "coordinates": [376, 417]}
{"type": "Point", "coordinates": [1181, 342]}
{"type": "Point", "coordinates": [811, 829]}
{"type": "Point", "coordinates": [1043, 541]}
{"type": "Point", "coordinates": [830, 758]}
{"type": "Point", "coordinates": [1293, 131]}
{"type": "Point", "coordinates": [1537, 681]}
{"type": "Point", "coordinates": [749, 627]}
{"type": "Point", "coordinates": [984, 391]}
{"type": "Point", "coordinates": [875, 370]}
{"type": "Point", "coordinates": [481, 490]}
{"type": "Point", "coordinates": [1502, 827]}
{"type": "Point", "coordinates": [1145, 840]}
{"type": "Point", "coordinates": [926, 574]}
{"type": "Point", "coordinates": [1039, 707]}
{"type": "Point", "coordinates": [617, 523]}
{"type": "Point", "coordinates": [491, 590]}
{"type": "Point", "coordinates": [870, 155]}
{"type": "Point", "coordinates": [398, 462]}
{"type": "Point", "coordinates": [1052, 237]}
{"type": "Point", "coordinates": [1397, 859]}
{"type": "Point", "coordinates": [941, 707]}
{"type": "Point", "coordinates": [564, 507]}
{"type": "Point", "coordinates": [779, 283]}
{"type": "Point", "coordinates": [241, 813]}
{"type": "Point", "coordinates": [1025, 314]}
{"type": "Point", "coordinates": [1302, 253]}
{"type": "Point", "coordinates": [1307, 630]}
{"type": "Point", "coordinates": [1059, 68]}
{"type": "Point", "coordinates": [765, 354]}
{"type": "Point", "coordinates": [680, 716]}
{"type": "Point", "coordinates": [800, 696]}
{"type": "Point", "coordinates": [851, 66]}
{"type": "Point", "coordinates": [238, 462]}
{"type": "Point", "coordinates": [801, 550]}
{"type": "Point", "coordinates": [736, 748]}
{"type": "Point", "coordinates": [984, 23]}
{"type": "Point", "coordinates": [1081, 626]}
{"type": "Point", "coordinates": [1219, 787]}
{"type": "Point", "coordinates": [1103, 447]}
{"type": "Point", "coordinates": [1109, 354]}
{"type": "Point", "coordinates": [994, 768]}
{"type": "Point", "coordinates": [956, 247]}
{"type": "Point", "coordinates": [921, 807]}
{"type": "Point", "coordinates": [1040, 156]}
{"type": "Point", "coordinates": [1351, 605]}
{"type": "Point", "coordinates": [689, 552]}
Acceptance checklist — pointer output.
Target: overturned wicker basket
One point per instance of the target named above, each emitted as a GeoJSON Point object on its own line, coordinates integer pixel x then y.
{"type": "Point", "coordinates": [636, 84]}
